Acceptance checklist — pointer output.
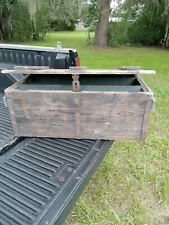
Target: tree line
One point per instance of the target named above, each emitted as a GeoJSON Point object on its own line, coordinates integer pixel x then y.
{"type": "Point", "coordinates": [31, 19]}
{"type": "Point", "coordinates": [143, 22]}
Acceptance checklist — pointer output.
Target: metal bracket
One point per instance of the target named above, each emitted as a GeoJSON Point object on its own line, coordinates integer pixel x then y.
{"type": "Point", "coordinates": [76, 83]}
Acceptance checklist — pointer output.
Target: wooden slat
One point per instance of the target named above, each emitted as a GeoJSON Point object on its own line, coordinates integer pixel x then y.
{"type": "Point", "coordinates": [31, 67]}
{"type": "Point", "coordinates": [81, 72]}
{"type": "Point", "coordinates": [148, 109]}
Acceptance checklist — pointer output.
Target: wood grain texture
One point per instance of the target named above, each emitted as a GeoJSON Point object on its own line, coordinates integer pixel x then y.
{"type": "Point", "coordinates": [13, 118]}
{"type": "Point", "coordinates": [81, 72]}
{"type": "Point", "coordinates": [112, 116]}
{"type": "Point", "coordinates": [31, 67]}
{"type": "Point", "coordinates": [148, 109]}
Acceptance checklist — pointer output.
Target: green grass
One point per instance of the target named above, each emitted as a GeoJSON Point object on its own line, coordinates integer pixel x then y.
{"type": "Point", "coordinates": [131, 186]}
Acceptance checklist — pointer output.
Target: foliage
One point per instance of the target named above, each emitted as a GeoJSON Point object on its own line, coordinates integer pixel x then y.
{"type": "Point", "coordinates": [147, 31]}
{"type": "Point", "coordinates": [21, 22]}
{"type": "Point", "coordinates": [92, 15]}
{"type": "Point", "coordinates": [118, 33]}
{"type": "Point", "coordinates": [41, 22]}
{"type": "Point", "coordinates": [64, 14]}
{"type": "Point", "coordinates": [149, 20]}
{"type": "Point", "coordinates": [61, 25]}
{"type": "Point", "coordinates": [149, 23]}
{"type": "Point", "coordinates": [148, 27]}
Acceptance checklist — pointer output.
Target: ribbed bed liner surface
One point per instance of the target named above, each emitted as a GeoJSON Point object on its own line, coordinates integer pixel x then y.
{"type": "Point", "coordinates": [6, 133]}
{"type": "Point", "coordinates": [34, 173]}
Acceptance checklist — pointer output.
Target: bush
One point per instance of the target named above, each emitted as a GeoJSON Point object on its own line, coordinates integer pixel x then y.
{"type": "Point", "coordinates": [148, 28]}
{"type": "Point", "coordinates": [21, 22]}
{"type": "Point", "coordinates": [118, 33]}
{"type": "Point", "coordinates": [24, 27]}
{"type": "Point", "coordinates": [62, 25]}
{"type": "Point", "coordinates": [41, 23]}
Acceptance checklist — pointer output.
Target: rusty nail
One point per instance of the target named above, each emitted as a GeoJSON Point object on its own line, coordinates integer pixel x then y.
{"type": "Point", "coordinates": [62, 179]}
{"type": "Point", "coordinates": [70, 169]}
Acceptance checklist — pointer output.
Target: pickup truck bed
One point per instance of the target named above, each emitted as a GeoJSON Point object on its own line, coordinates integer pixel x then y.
{"type": "Point", "coordinates": [41, 178]}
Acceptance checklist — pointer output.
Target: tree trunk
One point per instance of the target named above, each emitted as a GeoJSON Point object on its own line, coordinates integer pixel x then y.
{"type": "Point", "coordinates": [101, 35]}
{"type": "Point", "coordinates": [5, 23]}
{"type": "Point", "coordinates": [166, 38]}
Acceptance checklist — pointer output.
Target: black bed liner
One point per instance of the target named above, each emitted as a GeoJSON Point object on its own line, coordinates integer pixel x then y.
{"type": "Point", "coordinates": [6, 135]}
{"type": "Point", "coordinates": [42, 178]}
{"type": "Point", "coordinates": [39, 177]}
{"type": "Point", "coordinates": [57, 58]}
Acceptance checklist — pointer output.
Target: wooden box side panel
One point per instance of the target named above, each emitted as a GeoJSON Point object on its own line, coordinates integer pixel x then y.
{"type": "Point", "coordinates": [111, 116]}
{"type": "Point", "coordinates": [119, 116]}
{"type": "Point", "coordinates": [41, 114]}
{"type": "Point", "coordinates": [146, 119]}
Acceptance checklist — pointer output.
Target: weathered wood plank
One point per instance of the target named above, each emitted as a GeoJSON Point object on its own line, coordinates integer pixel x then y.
{"type": "Point", "coordinates": [81, 72]}
{"type": "Point", "coordinates": [31, 67]}
{"type": "Point", "coordinates": [111, 116]}
{"type": "Point", "coordinates": [148, 109]}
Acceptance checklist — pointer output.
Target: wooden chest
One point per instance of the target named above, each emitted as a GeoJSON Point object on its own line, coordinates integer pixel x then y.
{"type": "Point", "coordinates": [98, 104]}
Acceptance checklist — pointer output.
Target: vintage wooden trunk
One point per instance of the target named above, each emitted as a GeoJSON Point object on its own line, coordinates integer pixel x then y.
{"type": "Point", "coordinates": [98, 104]}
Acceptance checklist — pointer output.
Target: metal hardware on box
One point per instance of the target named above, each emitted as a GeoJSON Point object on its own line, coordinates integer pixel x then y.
{"type": "Point", "coordinates": [76, 83]}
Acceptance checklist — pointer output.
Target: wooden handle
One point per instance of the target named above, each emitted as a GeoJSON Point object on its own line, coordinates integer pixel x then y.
{"type": "Point", "coordinates": [81, 72]}
{"type": "Point", "coordinates": [147, 72]}
{"type": "Point", "coordinates": [31, 67]}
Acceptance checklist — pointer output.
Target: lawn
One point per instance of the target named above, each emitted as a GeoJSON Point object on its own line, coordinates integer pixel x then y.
{"type": "Point", "coordinates": [131, 186]}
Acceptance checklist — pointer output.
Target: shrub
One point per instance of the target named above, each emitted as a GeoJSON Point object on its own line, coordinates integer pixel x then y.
{"type": "Point", "coordinates": [63, 25]}
{"type": "Point", "coordinates": [41, 23]}
{"type": "Point", "coordinates": [147, 31]}
{"type": "Point", "coordinates": [118, 33]}
{"type": "Point", "coordinates": [21, 22]}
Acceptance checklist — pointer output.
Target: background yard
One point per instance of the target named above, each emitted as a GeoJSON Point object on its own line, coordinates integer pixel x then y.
{"type": "Point", "coordinates": [132, 184]}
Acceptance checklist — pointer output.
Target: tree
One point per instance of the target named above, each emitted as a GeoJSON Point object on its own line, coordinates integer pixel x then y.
{"type": "Point", "coordinates": [157, 10]}
{"type": "Point", "coordinates": [5, 20]}
{"type": "Point", "coordinates": [101, 34]}
{"type": "Point", "coordinates": [31, 19]}
{"type": "Point", "coordinates": [64, 13]}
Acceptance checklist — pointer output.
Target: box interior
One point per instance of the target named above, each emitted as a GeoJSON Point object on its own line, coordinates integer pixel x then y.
{"type": "Point", "coordinates": [107, 83]}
